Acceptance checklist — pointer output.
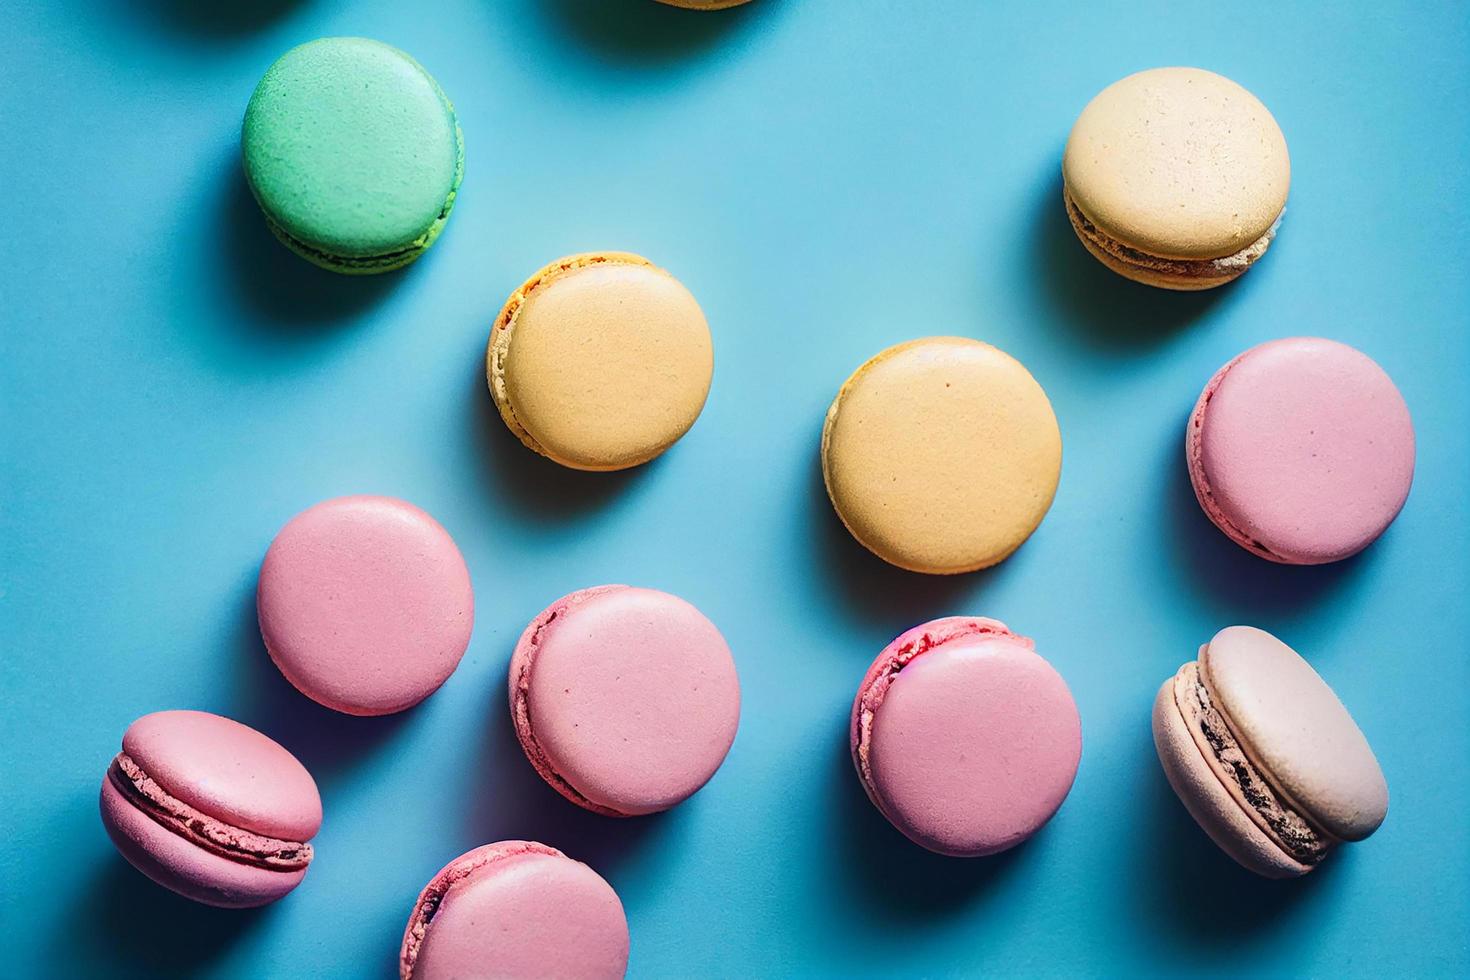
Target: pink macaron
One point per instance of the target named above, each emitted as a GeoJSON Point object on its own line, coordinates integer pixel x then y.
{"type": "Point", "coordinates": [965, 738]}
{"type": "Point", "coordinates": [211, 809]}
{"type": "Point", "coordinates": [515, 909]}
{"type": "Point", "coordinates": [625, 700]}
{"type": "Point", "coordinates": [1301, 450]}
{"type": "Point", "coordinates": [365, 604]}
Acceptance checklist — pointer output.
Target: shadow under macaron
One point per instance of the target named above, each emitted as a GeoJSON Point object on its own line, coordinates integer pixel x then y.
{"type": "Point", "coordinates": [1099, 308]}
{"type": "Point", "coordinates": [124, 925]}
{"type": "Point", "coordinates": [214, 20]}
{"type": "Point", "coordinates": [642, 31]}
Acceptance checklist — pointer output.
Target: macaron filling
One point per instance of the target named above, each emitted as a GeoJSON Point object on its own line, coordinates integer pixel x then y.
{"type": "Point", "coordinates": [1224, 267]}
{"type": "Point", "coordinates": [523, 663]}
{"type": "Point", "coordinates": [1286, 827]}
{"type": "Point", "coordinates": [1201, 482]}
{"type": "Point", "coordinates": [503, 331]}
{"type": "Point", "coordinates": [437, 890]}
{"type": "Point", "coordinates": [215, 836]}
{"type": "Point", "coordinates": [882, 675]}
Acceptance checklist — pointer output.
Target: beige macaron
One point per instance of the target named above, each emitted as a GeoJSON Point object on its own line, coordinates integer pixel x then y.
{"type": "Point", "coordinates": [600, 361]}
{"type": "Point", "coordinates": [941, 455]}
{"type": "Point", "coordinates": [1176, 177]}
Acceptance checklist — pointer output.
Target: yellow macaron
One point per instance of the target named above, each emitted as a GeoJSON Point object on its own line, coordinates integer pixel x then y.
{"type": "Point", "coordinates": [600, 361]}
{"type": "Point", "coordinates": [941, 455]}
{"type": "Point", "coordinates": [1176, 177]}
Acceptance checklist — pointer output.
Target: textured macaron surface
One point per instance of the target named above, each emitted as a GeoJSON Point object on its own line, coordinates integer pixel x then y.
{"type": "Point", "coordinates": [227, 771]}
{"type": "Point", "coordinates": [1296, 731]}
{"type": "Point", "coordinates": [516, 909]}
{"type": "Point", "coordinates": [625, 699]}
{"type": "Point", "coordinates": [942, 454]}
{"type": "Point", "coordinates": [601, 361]}
{"type": "Point", "coordinates": [352, 149]}
{"type": "Point", "coordinates": [1178, 163]}
{"type": "Point", "coordinates": [365, 604]}
{"type": "Point", "coordinates": [965, 738]}
{"type": "Point", "coordinates": [1302, 450]}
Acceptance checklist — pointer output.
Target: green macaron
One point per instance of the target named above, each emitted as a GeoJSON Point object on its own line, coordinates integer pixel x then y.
{"type": "Point", "coordinates": [354, 154]}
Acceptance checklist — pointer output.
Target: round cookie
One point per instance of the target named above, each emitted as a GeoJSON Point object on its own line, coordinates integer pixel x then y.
{"type": "Point", "coordinates": [964, 738]}
{"type": "Point", "coordinates": [941, 455]}
{"type": "Point", "coordinates": [354, 154]}
{"type": "Point", "coordinates": [515, 909]}
{"type": "Point", "coordinates": [1176, 177]}
{"type": "Point", "coordinates": [1264, 756]}
{"type": "Point", "coordinates": [1301, 450]}
{"type": "Point", "coordinates": [625, 700]}
{"type": "Point", "coordinates": [211, 809]}
{"type": "Point", "coordinates": [704, 4]}
{"type": "Point", "coordinates": [365, 604]}
{"type": "Point", "coordinates": [600, 361]}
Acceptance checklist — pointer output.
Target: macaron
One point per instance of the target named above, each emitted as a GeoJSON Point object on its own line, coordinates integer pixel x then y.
{"type": "Point", "coordinates": [625, 700]}
{"type": "Point", "coordinates": [964, 737]}
{"type": "Point", "coordinates": [365, 604]}
{"type": "Point", "coordinates": [600, 361]}
{"type": "Point", "coordinates": [515, 909]}
{"type": "Point", "coordinates": [1176, 177]}
{"type": "Point", "coordinates": [941, 455]}
{"type": "Point", "coordinates": [704, 4]}
{"type": "Point", "coordinates": [211, 809]}
{"type": "Point", "coordinates": [1301, 450]}
{"type": "Point", "coordinates": [354, 154]}
{"type": "Point", "coordinates": [1264, 756]}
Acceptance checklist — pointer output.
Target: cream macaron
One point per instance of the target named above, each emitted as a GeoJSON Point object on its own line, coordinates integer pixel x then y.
{"type": "Point", "coordinates": [1264, 756]}
{"type": "Point", "coordinates": [600, 361]}
{"type": "Point", "coordinates": [941, 455]}
{"type": "Point", "coordinates": [1176, 177]}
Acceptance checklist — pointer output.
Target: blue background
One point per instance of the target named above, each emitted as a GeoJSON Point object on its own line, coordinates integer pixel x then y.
{"type": "Point", "coordinates": [828, 177]}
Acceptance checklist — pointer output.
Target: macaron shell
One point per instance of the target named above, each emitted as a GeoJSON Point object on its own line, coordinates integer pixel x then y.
{"type": "Point", "coordinates": [351, 147]}
{"type": "Point", "coordinates": [527, 915]}
{"type": "Point", "coordinates": [603, 361]}
{"type": "Point", "coordinates": [941, 455]}
{"type": "Point", "coordinates": [365, 604]}
{"type": "Point", "coordinates": [631, 698]}
{"type": "Point", "coordinates": [1179, 163]}
{"type": "Point", "coordinates": [1139, 272]}
{"type": "Point", "coordinates": [1296, 731]}
{"type": "Point", "coordinates": [1302, 450]}
{"type": "Point", "coordinates": [974, 745]}
{"type": "Point", "coordinates": [227, 770]}
{"type": "Point", "coordinates": [704, 4]}
{"type": "Point", "coordinates": [1211, 804]}
{"type": "Point", "coordinates": [183, 867]}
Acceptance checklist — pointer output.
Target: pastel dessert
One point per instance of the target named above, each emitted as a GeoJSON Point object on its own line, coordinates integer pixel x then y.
{"type": "Point", "coordinates": [365, 604]}
{"type": "Point", "coordinates": [354, 154]}
{"type": "Point", "coordinates": [600, 361]}
{"type": "Point", "coordinates": [1176, 177]}
{"type": "Point", "coordinates": [704, 4]}
{"type": "Point", "coordinates": [625, 700]}
{"type": "Point", "coordinates": [211, 809]}
{"type": "Point", "coordinates": [941, 455]}
{"type": "Point", "coordinates": [1264, 756]}
{"type": "Point", "coordinates": [515, 909]}
{"type": "Point", "coordinates": [1301, 450]}
{"type": "Point", "coordinates": [964, 738]}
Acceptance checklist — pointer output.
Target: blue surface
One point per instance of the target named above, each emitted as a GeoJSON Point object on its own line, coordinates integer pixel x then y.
{"type": "Point", "coordinates": [828, 177]}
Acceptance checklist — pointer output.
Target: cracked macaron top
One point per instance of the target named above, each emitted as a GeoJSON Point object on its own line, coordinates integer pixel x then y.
{"type": "Point", "coordinates": [354, 153]}
{"type": "Point", "coordinates": [600, 361]}
{"type": "Point", "coordinates": [515, 909]}
{"type": "Point", "coordinates": [1176, 177]}
{"type": "Point", "coordinates": [1281, 747]}
{"type": "Point", "coordinates": [964, 737]}
{"type": "Point", "coordinates": [203, 804]}
{"type": "Point", "coordinates": [941, 455]}
{"type": "Point", "coordinates": [1301, 450]}
{"type": "Point", "coordinates": [625, 700]}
